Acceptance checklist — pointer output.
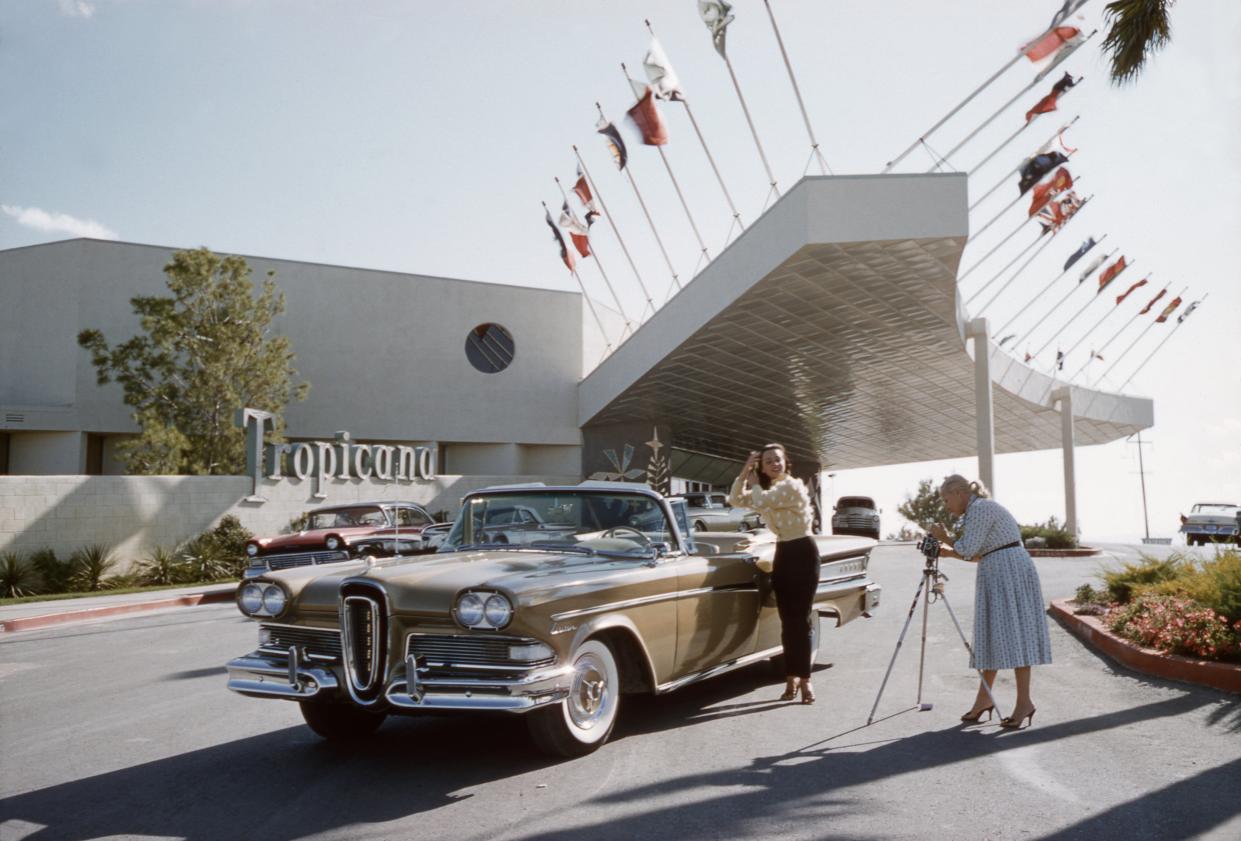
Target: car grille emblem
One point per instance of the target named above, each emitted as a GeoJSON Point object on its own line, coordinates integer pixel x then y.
{"type": "Point", "coordinates": [364, 640]}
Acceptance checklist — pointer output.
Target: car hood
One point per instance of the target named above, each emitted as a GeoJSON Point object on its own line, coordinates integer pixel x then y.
{"type": "Point", "coordinates": [428, 585]}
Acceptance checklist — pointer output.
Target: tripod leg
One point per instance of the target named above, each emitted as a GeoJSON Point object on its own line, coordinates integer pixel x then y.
{"type": "Point", "coordinates": [926, 607]}
{"type": "Point", "coordinates": [971, 652]}
{"type": "Point", "coordinates": [899, 641]}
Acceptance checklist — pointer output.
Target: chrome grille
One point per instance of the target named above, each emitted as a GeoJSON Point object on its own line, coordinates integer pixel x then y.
{"type": "Point", "coordinates": [317, 643]}
{"type": "Point", "coordinates": [300, 559]}
{"type": "Point", "coordinates": [461, 654]}
{"type": "Point", "coordinates": [364, 638]}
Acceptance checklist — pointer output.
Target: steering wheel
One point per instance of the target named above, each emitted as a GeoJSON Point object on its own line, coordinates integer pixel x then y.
{"type": "Point", "coordinates": [628, 532]}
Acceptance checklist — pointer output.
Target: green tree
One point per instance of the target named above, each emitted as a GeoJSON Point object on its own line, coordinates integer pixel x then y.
{"type": "Point", "coordinates": [925, 507]}
{"type": "Point", "coordinates": [204, 352]}
{"type": "Point", "coordinates": [1137, 29]}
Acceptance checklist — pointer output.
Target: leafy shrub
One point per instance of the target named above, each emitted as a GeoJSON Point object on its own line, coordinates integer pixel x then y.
{"type": "Point", "coordinates": [925, 508]}
{"type": "Point", "coordinates": [1121, 583]}
{"type": "Point", "coordinates": [1089, 601]}
{"type": "Point", "coordinates": [297, 524]}
{"type": "Point", "coordinates": [1053, 533]}
{"type": "Point", "coordinates": [18, 577]}
{"type": "Point", "coordinates": [1215, 583]}
{"type": "Point", "coordinates": [906, 533]}
{"type": "Point", "coordinates": [219, 552]}
{"type": "Point", "coordinates": [54, 572]}
{"type": "Point", "coordinates": [90, 567]}
{"type": "Point", "coordinates": [1178, 626]}
{"type": "Point", "coordinates": [161, 567]}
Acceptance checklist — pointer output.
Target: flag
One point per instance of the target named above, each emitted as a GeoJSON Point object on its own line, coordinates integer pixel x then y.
{"type": "Point", "coordinates": [1057, 213]}
{"type": "Point", "coordinates": [1079, 253]}
{"type": "Point", "coordinates": [716, 14]}
{"type": "Point", "coordinates": [1126, 293]}
{"type": "Point", "coordinates": [1094, 356]}
{"type": "Point", "coordinates": [1044, 193]}
{"type": "Point", "coordinates": [1188, 310]}
{"type": "Point", "coordinates": [565, 254]}
{"type": "Point", "coordinates": [646, 117]}
{"type": "Point", "coordinates": [1034, 168]}
{"type": "Point", "coordinates": [615, 145]}
{"type": "Point", "coordinates": [1152, 301]}
{"type": "Point", "coordinates": [578, 232]}
{"type": "Point", "coordinates": [1007, 339]}
{"type": "Point", "coordinates": [1048, 103]}
{"type": "Point", "coordinates": [1051, 42]}
{"type": "Point", "coordinates": [659, 73]}
{"type": "Point", "coordinates": [582, 188]}
{"type": "Point", "coordinates": [1168, 310]}
{"type": "Point", "coordinates": [1089, 270]}
{"type": "Point", "coordinates": [1028, 357]}
{"type": "Point", "coordinates": [1109, 274]}
{"type": "Point", "coordinates": [1059, 361]}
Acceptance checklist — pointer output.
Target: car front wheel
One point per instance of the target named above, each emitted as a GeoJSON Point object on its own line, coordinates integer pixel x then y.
{"type": "Point", "coordinates": [584, 720]}
{"type": "Point", "coordinates": [339, 722]}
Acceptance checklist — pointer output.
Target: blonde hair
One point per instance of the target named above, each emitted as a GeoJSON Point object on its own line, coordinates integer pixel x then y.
{"type": "Point", "coordinates": [957, 482]}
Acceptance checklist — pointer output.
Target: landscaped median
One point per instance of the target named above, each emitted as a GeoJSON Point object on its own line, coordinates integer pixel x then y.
{"type": "Point", "coordinates": [1092, 631]}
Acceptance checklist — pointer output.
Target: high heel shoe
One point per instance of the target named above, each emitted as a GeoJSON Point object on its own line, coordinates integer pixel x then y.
{"type": "Point", "coordinates": [790, 692]}
{"type": "Point", "coordinates": [976, 715]}
{"type": "Point", "coordinates": [1010, 723]}
{"type": "Point", "coordinates": [807, 693]}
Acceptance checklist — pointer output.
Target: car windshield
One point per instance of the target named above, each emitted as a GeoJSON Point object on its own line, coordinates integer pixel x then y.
{"type": "Point", "coordinates": [1215, 508]}
{"type": "Point", "coordinates": [344, 518]}
{"type": "Point", "coordinates": [607, 523]}
{"type": "Point", "coordinates": [694, 500]}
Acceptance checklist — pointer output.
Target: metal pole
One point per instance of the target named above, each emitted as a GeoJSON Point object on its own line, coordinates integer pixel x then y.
{"type": "Point", "coordinates": [595, 253]}
{"type": "Point", "coordinates": [1106, 315]}
{"type": "Point", "coordinates": [753, 132]}
{"type": "Point", "coordinates": [814, 144]}
{"type": "Point", "coordinates": [1065, 396]}
{"type": "Point", "coordinates": [1146, 520]}
{"type": "Point", "coordinates": [1017, 169]}
{"type": "Point", "coordinates": [1029, 216]}
{"type": "Point", "coordinates": [1134, 343]}
{"type": "Point", "coordinates": [1009, 265]}
{"type": "Point", "coordinates": [1039, 295]}
{"type": "Point", "coordinates": [608, 215]}
{"type": "Point", "coordinates": [1015, 275]}
{"type": "Point", "coordinates": [1106, 344]}
{"type": "Point", "coordinates": [1158, 346]}
{"type": "Point", "coordinates": [1066, 324]}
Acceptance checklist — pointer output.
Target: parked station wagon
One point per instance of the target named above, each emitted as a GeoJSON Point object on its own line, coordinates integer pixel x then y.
{"type": "Point", "coordinates": [618, 597]}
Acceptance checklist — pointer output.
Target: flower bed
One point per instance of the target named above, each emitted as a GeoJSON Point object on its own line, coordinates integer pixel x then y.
{"type": "Point", "coordinates": [1178, 626]}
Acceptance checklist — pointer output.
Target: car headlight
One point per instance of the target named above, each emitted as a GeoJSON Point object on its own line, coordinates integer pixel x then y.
{"type": "Point", "coordinates": [250, 599]}
{"type": "Point", "coordinates": [252, 549]}
{"type": "Point", "coordinates": [274, 599]}
{"type": "Point", "coordinates": [497, 611]}
{"type": "Point", "coordinates": [332, 543]}
{"type": "Point", "coordinates": [470, 609]}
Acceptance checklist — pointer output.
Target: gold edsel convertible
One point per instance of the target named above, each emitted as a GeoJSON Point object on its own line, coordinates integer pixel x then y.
{"type": "Point", "coordinates": [605, 591]}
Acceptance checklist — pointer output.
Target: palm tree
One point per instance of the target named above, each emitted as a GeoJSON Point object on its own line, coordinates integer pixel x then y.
{"type": "Point", "coordinates": [1137, 30]}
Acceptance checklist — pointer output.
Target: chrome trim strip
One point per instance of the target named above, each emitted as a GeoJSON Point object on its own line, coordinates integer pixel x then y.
{"type": "Point", "coordinates": [347, 643]}
{"type": "Point", "coordinates": [628, 603]}
{"type": "Point", "coordinates": [536, 690]}
{"type": "Point", "coordinates": [262, 678]}
{"type": "Point", "coordinates": [720, 669]}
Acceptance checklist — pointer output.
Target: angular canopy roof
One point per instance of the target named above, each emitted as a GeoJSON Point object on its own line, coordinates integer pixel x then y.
{"type": "Point", "coordinates": [833, 325]}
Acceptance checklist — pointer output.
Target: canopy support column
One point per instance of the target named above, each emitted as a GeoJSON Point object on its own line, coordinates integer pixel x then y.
{"type": "Point", "coordinates": [1065, 397]}
{"type": "Point", "coordinates": [977, 330]}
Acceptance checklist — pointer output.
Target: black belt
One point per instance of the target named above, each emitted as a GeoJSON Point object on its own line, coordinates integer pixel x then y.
{"type": "Point", "coordinates": [1012, 545]}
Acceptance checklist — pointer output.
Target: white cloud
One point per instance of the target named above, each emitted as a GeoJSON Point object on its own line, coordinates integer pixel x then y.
{"type": "Point", "coordinates": [57, 223]}
{"type": "Point", "coordinates": [76, 8]}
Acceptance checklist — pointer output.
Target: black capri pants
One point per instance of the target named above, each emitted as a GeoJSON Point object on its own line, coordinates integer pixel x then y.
{"type": "Point", "coordinates": [795, 577]}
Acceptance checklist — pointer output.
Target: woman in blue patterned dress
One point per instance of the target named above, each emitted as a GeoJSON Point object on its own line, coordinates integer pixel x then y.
{"type": "Point", "coordinates": [1010, 620]}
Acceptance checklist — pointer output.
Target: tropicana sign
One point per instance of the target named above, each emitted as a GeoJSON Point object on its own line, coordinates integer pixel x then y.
{"type": "Point", "coordinates": [321, 461]}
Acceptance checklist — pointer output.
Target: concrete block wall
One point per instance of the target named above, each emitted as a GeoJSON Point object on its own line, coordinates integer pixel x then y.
{"type": "Point", "coordinates": [133, 514]}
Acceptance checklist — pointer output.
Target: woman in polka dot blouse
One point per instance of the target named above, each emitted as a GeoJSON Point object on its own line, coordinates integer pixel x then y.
{"type": "Point", "coordinates": [784, 503]}
{"type": "Point", "coordinates": [1010, 620]}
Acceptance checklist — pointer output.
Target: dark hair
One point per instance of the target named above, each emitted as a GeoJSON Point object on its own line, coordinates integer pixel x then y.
{"type": "Point", "coordinates": [763, 479]}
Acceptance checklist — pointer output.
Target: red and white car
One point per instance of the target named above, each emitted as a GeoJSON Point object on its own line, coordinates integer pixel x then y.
{"type": "Point", "coordinates": [340, 528]}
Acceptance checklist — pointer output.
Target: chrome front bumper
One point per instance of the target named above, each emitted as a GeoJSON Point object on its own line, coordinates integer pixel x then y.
{"type": "Point", "coordinates": [260, 676]}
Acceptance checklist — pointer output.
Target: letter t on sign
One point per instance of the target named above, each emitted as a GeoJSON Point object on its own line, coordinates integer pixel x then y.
{"type": "Point", "coordinates": [255, 422]}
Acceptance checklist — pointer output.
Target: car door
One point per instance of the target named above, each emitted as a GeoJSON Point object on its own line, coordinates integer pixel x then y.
{"type": "Point", "coordinates": [718, 607]}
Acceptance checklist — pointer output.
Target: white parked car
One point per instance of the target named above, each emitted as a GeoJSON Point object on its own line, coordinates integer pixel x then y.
{"type": "Point", "coordinates": [856, 515]}
{"type": "Point", "coordinates": [1212, 522]}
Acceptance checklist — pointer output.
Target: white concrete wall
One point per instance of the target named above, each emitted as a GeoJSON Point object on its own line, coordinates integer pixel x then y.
{"type": "Point", "coordinates": [43, 452]}
{"type": "Point", "coordinates": [135, 513]}
{"type": "Point", "coordinates": [384, 352]}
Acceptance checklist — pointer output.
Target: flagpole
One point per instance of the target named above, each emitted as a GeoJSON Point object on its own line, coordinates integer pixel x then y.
{"type": "Point", "coordinates": [1134, 343]}
{"type": "Point", "coordinates": [1010, 205]}
{"type": "Point", "coordinates": [1017, 169]}
{"type": "Point", "coordinates": [1142, 365]}
{"type": "Point", "coordinates": [1106, 344]}
{"type": "Point", "coordinates": [675, 185]}
{"type": "Point", "coordinates": [594, 188]}
{"type": "Point", "coordinates": [710, 159]}
{"type": "Point", "coordinates": [1010, 281]}
{"type": "Point", "coordinates": [753, 131]}
{"type": "Point", "coordinates": [1055, 306]}
{"type": "Point", "coordinates": [655, 231]}
{"type": "Point", "coordinates": [1004, 241]}
{"type": "Point", "coordinates": [814, 144]}
{"type": "Point", "coordinates": [1085, 307]}
{"type": "Point", "coordinates": [582, 286]}
{"type": "Point", "coordinates": [595, 253]}
{"type": "Point", "coordinates": [1106, 315]}
{"type": "Point", "coordinates": [1062, 57]}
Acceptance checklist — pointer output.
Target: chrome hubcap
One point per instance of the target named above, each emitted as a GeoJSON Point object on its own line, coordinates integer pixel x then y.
{"type": "Point", "coordinates": [590, 696]}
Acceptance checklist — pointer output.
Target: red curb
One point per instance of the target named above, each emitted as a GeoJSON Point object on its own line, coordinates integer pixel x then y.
{"type": "Point", "coordinates": [1083, 552]}
{"type": "Point", "coordinates": [1090, 630]}
{"type": "Point", "coordinates": [30, 622]}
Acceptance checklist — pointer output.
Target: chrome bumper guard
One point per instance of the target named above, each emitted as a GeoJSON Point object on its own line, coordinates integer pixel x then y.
{"type": "Point", "coordinates": [538, 689]}
{"type": "Point", "coordinates": [262, 677]}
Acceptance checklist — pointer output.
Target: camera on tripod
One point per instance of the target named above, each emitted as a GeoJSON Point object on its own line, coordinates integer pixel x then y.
{"type": "Point", "coordinates": [929, 547]}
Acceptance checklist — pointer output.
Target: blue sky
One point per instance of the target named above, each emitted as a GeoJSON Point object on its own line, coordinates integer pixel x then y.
{"type": "Point", "coordinates": [421, 137]}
